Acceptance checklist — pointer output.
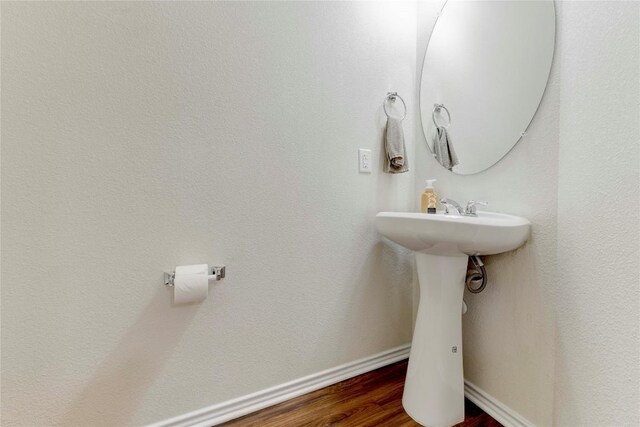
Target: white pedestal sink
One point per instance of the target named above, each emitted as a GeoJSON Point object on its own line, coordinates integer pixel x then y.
{"type": "Point", "coordinates": [434, 387]}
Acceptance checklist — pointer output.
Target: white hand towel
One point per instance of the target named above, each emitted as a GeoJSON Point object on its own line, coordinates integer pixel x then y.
{"type": "Point", "coordinates": [443, 149]}
{"type": "Point", "coordinates": [396, 161]}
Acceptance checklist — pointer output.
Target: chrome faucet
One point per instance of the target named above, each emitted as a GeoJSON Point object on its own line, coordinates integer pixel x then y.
{"type": "Point", "coordinates": [470, 210]}
{"type": "Point", "coordinates": [450, 203]}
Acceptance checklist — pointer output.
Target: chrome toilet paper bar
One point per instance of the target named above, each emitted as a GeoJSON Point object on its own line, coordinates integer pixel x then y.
{"type": "Point", "coordinates": [215, 273]}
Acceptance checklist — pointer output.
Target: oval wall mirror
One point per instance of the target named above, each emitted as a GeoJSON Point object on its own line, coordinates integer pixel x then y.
{"type": "Point", "coordinates": [484, 75]}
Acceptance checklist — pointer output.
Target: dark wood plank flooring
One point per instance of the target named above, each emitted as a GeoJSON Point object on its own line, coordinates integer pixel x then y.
{"type": "Point", "coordinates": [373, 399]}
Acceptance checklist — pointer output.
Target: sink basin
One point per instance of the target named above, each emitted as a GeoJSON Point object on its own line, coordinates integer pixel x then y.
{"type": "Point", "coordinates": [487, 234]}
{"type": "Point", "coordinates": [434, 387]}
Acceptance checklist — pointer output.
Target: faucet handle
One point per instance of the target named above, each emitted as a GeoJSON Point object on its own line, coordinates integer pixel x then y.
{"type": "Point", "coordinates": [471, 207]}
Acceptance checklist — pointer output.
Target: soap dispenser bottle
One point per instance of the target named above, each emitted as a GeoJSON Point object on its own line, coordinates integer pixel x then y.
{"type": "Point", "coordinates": [429, 198]}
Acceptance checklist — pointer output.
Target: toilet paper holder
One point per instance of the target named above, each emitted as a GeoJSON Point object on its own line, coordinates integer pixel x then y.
{"type": "Point", "coordinates": [215, 273]}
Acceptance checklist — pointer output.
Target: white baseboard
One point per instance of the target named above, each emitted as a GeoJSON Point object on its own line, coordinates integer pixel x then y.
{"type": "Point", "coordinates": [492, 406]}
{"type": "Point", "coordinates": [235, 408]}
{"type": "Point", "coordinates": [231, 409]}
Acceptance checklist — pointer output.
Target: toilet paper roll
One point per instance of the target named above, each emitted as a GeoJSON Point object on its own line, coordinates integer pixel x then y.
{"type": "Point", "coordinates": [191, 284]}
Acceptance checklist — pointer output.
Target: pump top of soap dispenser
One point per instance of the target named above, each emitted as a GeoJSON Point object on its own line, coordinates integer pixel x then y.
{"type": "Point", "coordinates": [430, 183]}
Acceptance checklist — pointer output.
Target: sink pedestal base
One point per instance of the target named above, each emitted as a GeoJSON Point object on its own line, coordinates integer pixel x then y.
{"type": "Point", "coordinates": [434, 387]}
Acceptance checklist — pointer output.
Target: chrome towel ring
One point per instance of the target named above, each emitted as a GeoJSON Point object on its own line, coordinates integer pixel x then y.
{"type": "Point", "coordinates": [439, 108]}
{"type": "Point", "coordinates": [392, 96]}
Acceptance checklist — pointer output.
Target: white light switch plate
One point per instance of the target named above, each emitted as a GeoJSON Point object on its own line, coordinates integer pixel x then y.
{"type": "Point", "coordinates": [365, 160]}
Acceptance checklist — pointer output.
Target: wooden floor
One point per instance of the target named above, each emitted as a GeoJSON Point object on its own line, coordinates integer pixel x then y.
{"type": "Point", "coordinates": [370, 400]}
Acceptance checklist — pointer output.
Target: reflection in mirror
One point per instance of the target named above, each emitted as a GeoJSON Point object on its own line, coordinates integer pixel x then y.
{"type": "Point", "coordinates": [484, 75]}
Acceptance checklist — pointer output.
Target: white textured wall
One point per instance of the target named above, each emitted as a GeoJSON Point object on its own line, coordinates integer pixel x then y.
{"type": "Point", "coordinates": [555, 336]}
{"type": "Point", "coordinates": [598, 290]}
{"type": "Point", "coordinates": [139, 136]}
